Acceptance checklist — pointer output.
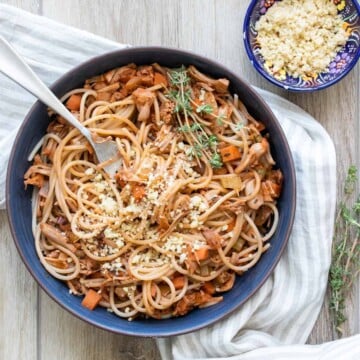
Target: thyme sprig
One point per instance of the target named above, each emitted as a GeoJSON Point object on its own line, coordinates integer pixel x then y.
{"type": "Point", "coordinates": [201, 143]}
{"type": "Point", "coordinates": [239, 126]}
{"type": "Point", "coordinates": [220, 119]}
{"type": "Point", "coordinates": [216, 161]}
{"type": "Point", "coordinates": [345, 264]}
{"type": "Point", "coordinates": [204, 109]}
{"type": "Point", "coordinates": [179, 77]}
{"type": "Point", "coordinates": [181, 100]}
{"type": "Point", "coordinates": [193, 127]}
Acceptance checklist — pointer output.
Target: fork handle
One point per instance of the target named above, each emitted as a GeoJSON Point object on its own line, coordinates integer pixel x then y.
{"type": "Point", "coordinates": [13, 66]}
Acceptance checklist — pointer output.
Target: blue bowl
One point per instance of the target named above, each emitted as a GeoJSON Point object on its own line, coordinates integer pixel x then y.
{"type": "Point", "coordinates": [19, 199]}
{"type": "Point", "coordinates": [345, 60]}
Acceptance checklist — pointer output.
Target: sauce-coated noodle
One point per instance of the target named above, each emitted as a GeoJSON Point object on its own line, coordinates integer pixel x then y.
{"type": "Point", "coordinates": [192, 204]}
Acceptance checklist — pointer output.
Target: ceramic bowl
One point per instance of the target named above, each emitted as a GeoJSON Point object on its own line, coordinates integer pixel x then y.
{"type": "Point", "coordinates": [19, 198]}
{"type": "Point", "coordinates": [341, 65]}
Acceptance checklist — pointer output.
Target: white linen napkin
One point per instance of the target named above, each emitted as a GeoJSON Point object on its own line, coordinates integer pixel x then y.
{"type": "Point", "coordinates": [282, 313]}
{"type": "Point", "coordinates": [51, 49]}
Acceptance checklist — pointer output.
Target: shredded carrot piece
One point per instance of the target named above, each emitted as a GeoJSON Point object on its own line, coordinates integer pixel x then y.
{"type": "Point", "coordinates": [231, 225]}
{"type": "Point", "coordinates": [73, 102]}
{"type": "Point", "coordinates": [201, 254]}
{"type": "Point", "coordinates": [163, 222]}
{"type": "Point", "coordinates": [138, 192]}
{"type": "Point", "coordinates": [209, 288]}
{"type": "Point", "coordinates": [230, 153]}
{"type": "Point", "coordinates": [91, 300]}
{"type": "Point", "coordinates": [179, 282]}
{"type": "Point", "coordinates": [36, 180]}
{"type": "Point", "coordinates": [160, 79]}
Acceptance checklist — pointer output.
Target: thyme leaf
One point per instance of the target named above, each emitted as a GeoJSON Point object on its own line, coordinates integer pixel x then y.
{"type": "Point", "coordinates": [201, 143]}
{"type": "Point", "coordinates": [181, 100]}
{"type": "Point", "coordinates": [345, 252]}
{"type": "Point", "coordinates": [204, 109]}
{"type": "Point", "coordinates": [193, 151]}
{"type": "Point", "coordinates": [238, 126]}
{"type": "Point", "coordinates": [179, 77]}
{"type": "Point", "coordinates": [208, 142]}
{"type": "Point", "coordinates": [192, 128]}
{"type": "Point", "coordinates": [220, 119]}
{"type": "Point", "coordinates": [216, 161]}
{"type": "Point", "coordinates": [212, 141]}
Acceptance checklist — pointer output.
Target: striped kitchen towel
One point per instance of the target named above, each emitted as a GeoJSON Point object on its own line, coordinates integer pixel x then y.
{"type": "Point", "coordinates": [50, 53]}
{"type": "Point", "coordinates": [283, 312]}
{"type": "Point", "coordinates": [277, 320]}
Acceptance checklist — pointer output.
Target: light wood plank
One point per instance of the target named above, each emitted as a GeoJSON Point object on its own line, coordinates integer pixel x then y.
{"type": "Point", "coordinates": [18, 291]}
{"type": "Point", "coordinates": [75, 339]}
{"type": "Point", "coordinates": [214, 34]}
{"type": "Point", "coordinates": [18, 301]}
{"type": "Point", "coordinates": [209, 27]}
{"type": "Point", "coordinates": [33, 6]}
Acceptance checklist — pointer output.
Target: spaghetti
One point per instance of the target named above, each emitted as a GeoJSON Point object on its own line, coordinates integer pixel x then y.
{"type": "Point", "coordinates": [192, 204]}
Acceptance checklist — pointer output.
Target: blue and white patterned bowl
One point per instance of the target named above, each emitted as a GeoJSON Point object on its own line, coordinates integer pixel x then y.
{"type": "Point", "coordinates": [345, 60]}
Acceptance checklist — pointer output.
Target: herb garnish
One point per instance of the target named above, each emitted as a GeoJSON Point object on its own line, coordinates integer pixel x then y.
{"type": "Point", "coordinates": [345, 251]}
{"type": "Point", "coordinates": [193, 151]}
{"type": "Point", "coordinates": [193, 127]}
{"type": "Point", "coordinates": [220, 119]}
{"type": "Point", "coordinates": [179, 77]}
{"type": "Point", "coordinates": [201, 143]}
{"type": "Point", "coordinates": [216, 161]}
{"type": "Point", "coordinates": [204, 109]}
{"type": "Point", "coordinates": [181, 100]}
{"type": "Point", "coordinates": [238, 126]}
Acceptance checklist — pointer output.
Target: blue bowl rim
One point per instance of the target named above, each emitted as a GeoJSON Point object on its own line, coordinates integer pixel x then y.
{"type": "Point", "coordinates": [270, 78]}
{"type": "Point", "coordinates": [290, 175]}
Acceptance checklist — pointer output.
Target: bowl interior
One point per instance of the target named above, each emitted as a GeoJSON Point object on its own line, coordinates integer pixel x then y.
{"type": "Point", "coordinates": [339, 67]}
{"type": "Point", "coordinates": [19, 199]}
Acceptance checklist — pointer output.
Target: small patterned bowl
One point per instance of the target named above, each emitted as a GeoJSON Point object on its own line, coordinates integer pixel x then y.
{"type": "Point", "coordinates": [341, 65]}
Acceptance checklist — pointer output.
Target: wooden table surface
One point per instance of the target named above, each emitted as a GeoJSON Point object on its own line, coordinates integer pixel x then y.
{"type": "Point", "coordinates": [32, 326]}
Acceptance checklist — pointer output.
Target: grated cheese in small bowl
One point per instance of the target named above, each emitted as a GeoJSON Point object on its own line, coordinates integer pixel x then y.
{"type": "Point", "coordinates": [303, 44]}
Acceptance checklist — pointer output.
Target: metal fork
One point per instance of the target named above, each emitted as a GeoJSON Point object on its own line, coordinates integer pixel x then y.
{"type": "Point", "coordinates": [13, 66]}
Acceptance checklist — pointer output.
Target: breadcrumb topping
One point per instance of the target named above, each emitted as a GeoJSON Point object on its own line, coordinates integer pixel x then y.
{"type": "Point", "coordinates": [300, 37]}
